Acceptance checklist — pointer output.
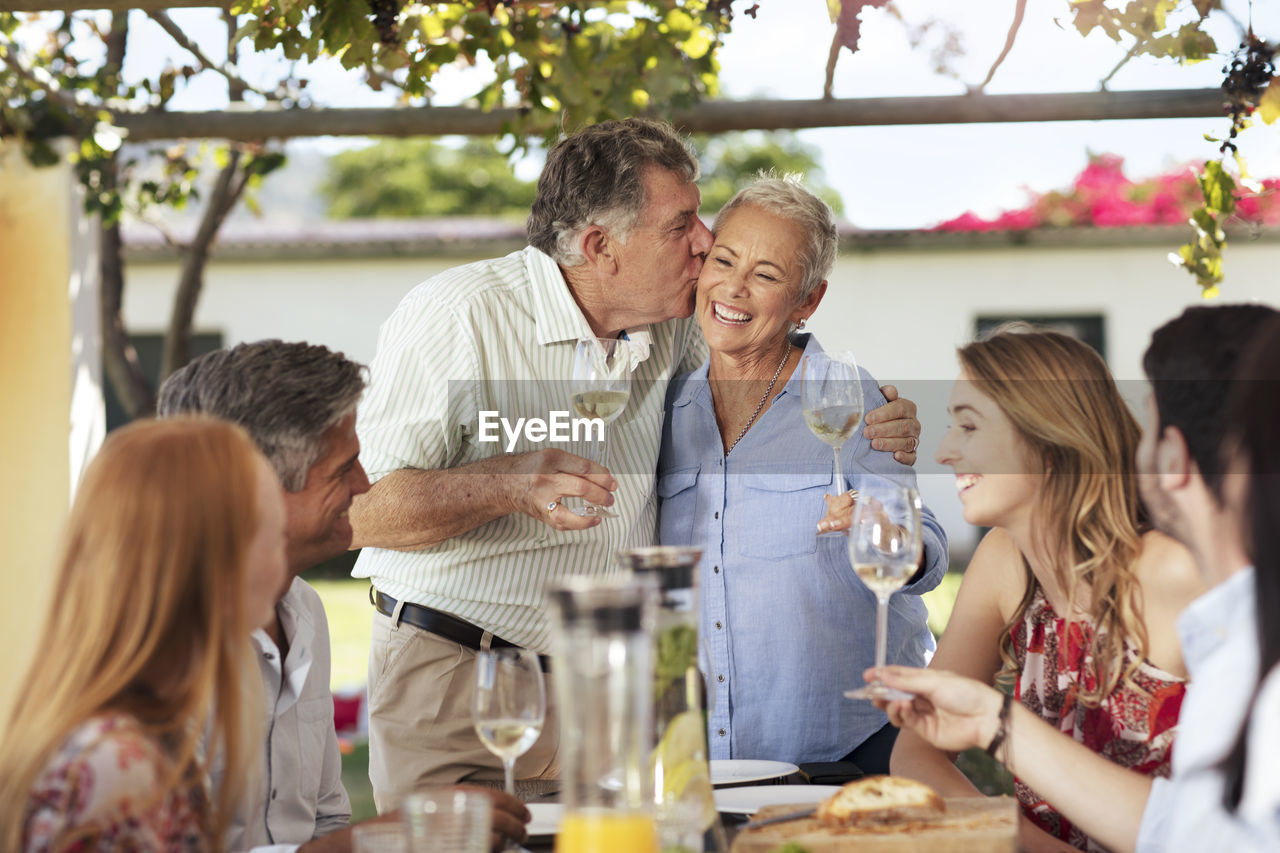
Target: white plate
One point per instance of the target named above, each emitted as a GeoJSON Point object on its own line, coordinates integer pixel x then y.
{"type": "Point", "coordinates": [750, 799]}
{"type": "Point", "coordinates": [546, 818]}
{"type": "Point", "coordinates": [736, 771]}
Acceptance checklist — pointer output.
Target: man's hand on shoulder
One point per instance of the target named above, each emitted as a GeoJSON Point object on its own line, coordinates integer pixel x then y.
{"type": "Point", "coordinates": [894, 426]}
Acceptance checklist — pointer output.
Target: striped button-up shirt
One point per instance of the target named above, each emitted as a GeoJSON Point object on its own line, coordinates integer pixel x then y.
{"type": "Point", "coordinates": [498, 336]}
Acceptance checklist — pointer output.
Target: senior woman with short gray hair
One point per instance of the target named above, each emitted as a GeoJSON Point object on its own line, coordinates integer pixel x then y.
{"type": "Point", "coordinates": [787, 626]}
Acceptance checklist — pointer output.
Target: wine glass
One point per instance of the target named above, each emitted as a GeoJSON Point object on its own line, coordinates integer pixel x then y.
{"type": "Point", "coordinates": [508, 705]}
{"type": "Point", "coordinates": [885, 546]}
{"type": "Point", "coordinates": [831, 399]}
{"type": "Point", "coordinates": [600, 389]}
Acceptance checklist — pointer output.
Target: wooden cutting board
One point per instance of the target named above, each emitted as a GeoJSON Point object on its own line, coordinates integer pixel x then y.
{"type": "Point", "coordinates": [971, 825]}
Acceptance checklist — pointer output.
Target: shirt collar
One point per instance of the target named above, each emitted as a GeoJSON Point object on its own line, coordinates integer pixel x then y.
{"type": "Point", "coordinates": [1212, 619]}
{"type": "Point", "coordinates": [555, 314]}
{"type": "Point", "coordinates": [558, 317]}
{"type": "Point", "coordinates": [696, 386]}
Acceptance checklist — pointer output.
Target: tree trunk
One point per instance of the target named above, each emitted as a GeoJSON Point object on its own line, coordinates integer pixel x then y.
{"type": "Point", "coordinates": [195, 257]}
{"type": "Point", "coordinates": [119, 358]}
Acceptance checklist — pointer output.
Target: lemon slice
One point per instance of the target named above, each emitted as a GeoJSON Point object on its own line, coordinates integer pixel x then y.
{"type": "Point", "coordinates": [681, 771]}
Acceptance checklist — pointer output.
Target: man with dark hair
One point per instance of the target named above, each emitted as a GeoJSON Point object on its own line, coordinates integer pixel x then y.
{"type": "Point", "coordinates": [298, 403]}
{"type": "Point", "coordinates": [461, 539]}
{"type": "Point", "coordinates": [1191, 362]}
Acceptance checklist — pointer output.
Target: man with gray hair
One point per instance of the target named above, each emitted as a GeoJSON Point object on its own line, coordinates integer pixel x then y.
{"type": "Point", "coordinates": [460, 539]}
{"type": "Point", "coordinates": [298, 402]}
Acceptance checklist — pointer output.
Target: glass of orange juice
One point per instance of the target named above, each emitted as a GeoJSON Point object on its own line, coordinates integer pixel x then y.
{"type": "Point", "coordinates": [602, 645]}
{"type": "Point", "coordinates": [595, 831]}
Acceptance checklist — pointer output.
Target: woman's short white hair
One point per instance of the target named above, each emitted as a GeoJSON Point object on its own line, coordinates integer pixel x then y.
{"type": "Point", "coordinates": [787, 197]}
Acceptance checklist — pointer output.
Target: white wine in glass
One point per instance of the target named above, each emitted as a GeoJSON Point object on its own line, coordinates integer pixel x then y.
{"type": "Point", "coordinates": [600, 388]}
{"type": "Point", "coordinates": [831, 399]}
{"type": "Point", "coordinates": [508, 705]}
{"type": "Point", "coordinates": [885, 546]}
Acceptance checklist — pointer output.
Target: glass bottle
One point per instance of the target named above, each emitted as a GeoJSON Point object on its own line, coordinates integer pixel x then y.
{"type": "Point", "coordinates": [683, 797]}
{"type": "Point", "coordinates": [602, 648]}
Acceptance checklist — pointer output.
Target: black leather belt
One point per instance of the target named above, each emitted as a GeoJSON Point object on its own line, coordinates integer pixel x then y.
{"type": "Point", "coordinates": [443, 624]}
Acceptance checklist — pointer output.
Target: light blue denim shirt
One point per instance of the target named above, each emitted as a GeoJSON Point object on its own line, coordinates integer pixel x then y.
{"type": "Point", "coordinates": [786, 625]}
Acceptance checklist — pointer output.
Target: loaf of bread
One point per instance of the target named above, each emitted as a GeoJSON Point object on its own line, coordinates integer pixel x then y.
{"type": "Point", "coordinates": [880, 799]}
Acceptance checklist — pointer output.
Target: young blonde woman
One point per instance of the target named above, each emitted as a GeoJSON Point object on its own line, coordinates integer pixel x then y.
{"type": "Point", "coordinates": [174, 553]}
{"type": "Point", "coordinates": [1069, 602]}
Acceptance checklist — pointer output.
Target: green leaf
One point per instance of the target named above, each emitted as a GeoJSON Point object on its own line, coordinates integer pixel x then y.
{"type": "Point", "coordinates": [1218, 188]}
{"type": "Point", "coordinates": [1195, 44]}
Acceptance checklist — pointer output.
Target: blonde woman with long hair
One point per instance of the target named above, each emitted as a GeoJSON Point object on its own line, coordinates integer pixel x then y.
{"type": "Point", "coordinates": [1069, 602]}
{"type": "Point", "coordinates": [174, 553]}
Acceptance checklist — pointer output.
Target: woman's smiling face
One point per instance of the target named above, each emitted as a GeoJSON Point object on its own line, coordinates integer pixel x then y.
{"type": "Point", "coordinates": [748, 291]}
{"type": "Point", "coordinates": [997, 475]}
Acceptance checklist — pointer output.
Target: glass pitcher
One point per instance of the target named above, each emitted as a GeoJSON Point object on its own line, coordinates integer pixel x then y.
{"type": "Point", "coordinates": [602, 648]}
{"type": "Point", "coordinates": [685, 804]}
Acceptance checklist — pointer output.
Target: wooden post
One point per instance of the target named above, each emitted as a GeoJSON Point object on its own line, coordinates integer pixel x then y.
{"type": "Point", "coordinates": [50, 386]}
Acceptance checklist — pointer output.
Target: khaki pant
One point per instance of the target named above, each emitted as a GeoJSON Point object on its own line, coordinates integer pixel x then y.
{"type": "Point", "coordinates": [420, 730]}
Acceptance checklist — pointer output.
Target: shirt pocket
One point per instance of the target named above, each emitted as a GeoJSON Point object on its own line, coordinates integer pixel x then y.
{"type": "Point", "coordinates": [677, 496]}
{"type": "Point", "coordinates": [315, 719]}
{"type": "Point", "coordinates": [780, 513]}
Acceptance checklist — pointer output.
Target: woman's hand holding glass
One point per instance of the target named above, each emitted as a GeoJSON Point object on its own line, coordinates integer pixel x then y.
{"type": "Point", "coordinates": [885, 547]}
{"type": "Point", "coordinates": [831, 398]}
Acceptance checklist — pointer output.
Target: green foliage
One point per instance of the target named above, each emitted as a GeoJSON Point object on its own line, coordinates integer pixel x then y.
{"type": "Point", "coordinates": [1202, 257]}
{"type": "Point", "coordinates": [730, 161]}
{"type": "Point", "coordinates": [419, 178]}
{"type": "Point", "coordinates": [563, 64]}
{"type": "Point", "coordinates": [1148, 26]}
{"type": "Point", "coordinates": [413, 178]}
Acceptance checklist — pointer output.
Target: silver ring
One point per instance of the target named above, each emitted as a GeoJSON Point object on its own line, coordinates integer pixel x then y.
{"type": "Point", "coordinates": [853, 494]}
{"type": "Point", "coordinates": [911, 443]}
{"type": "Point", "coordinates": [551, 507]}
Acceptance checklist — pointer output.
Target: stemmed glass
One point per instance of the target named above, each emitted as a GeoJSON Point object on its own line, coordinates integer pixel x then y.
{"type": "Point", "coordinates": [508, 705]}
{"type": "Point", "coordinates": [831, 399]}
{"type": "Point", "coordinates": [885, 546]}
{"type": "Point", "coordinates": [600, 389]}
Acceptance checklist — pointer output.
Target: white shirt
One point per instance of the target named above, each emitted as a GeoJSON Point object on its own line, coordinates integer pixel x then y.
{"type": "Point", "coordinates": [1218, 632]}
{"type": "Point", "coordinates": [303, 793]}
{"type": "Point", "coordinates": [499, 336]}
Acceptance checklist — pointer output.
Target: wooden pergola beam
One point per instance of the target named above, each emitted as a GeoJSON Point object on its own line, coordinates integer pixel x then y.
{"type": "Point", "coordinates": [107, 5]}
{"type": "Point", "coordinates": [708, 117]}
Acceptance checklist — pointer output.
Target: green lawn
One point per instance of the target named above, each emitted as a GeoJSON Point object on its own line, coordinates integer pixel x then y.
{"type": "Point", "coordinates": [940, 600]}
{"type": "Point", "coordinates": [346, 603]}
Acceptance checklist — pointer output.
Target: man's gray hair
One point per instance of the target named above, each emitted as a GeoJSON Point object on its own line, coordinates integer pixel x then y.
{"type": "Point", "coordinates": [285, 395]}
{"type": "Point", "coordinates": [788, 198]}
{"type": "Point", "coordinates": [595, 177]}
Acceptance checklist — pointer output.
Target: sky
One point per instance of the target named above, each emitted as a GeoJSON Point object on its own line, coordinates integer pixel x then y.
{"type": "Point", "coordinates": [895, 177]}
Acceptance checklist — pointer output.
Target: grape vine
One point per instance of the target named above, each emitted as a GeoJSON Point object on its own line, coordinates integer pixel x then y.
{"type": "Point", "coordinates": [386, 20]}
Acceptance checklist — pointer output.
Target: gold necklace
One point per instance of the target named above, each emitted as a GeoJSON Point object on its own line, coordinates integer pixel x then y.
{"type": "Point", "coordinates": [786, 352]}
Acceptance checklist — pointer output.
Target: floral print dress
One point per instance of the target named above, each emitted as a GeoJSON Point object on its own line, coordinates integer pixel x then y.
{"type": "Point", "coordinates": [100, 791]}
{"type": "Point", "coordinates": [1132, 727]}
